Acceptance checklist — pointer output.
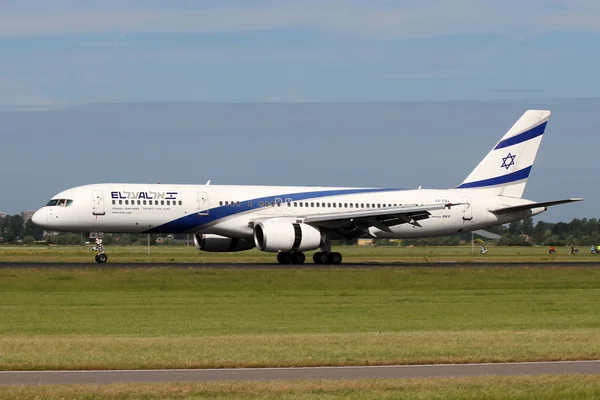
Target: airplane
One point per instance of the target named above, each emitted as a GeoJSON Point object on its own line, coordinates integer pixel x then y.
{"type": "Point", "coordinates": [291, 220]}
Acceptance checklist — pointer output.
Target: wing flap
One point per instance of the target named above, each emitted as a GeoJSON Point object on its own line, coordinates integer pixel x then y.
{"type": "Point", "coordinates": [522, 207]}
{"type": "Point", "coordinates": [390, 213]}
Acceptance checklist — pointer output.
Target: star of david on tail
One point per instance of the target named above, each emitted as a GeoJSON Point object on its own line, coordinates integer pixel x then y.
{"type": "Point", "coordinates": [511, 161]}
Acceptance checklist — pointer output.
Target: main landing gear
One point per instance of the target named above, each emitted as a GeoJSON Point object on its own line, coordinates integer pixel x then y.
{"type": "Point", "coordinates": [320, 257]}
{"type": "Point", "coordinates": [323, 257]}
{"type": "Point", "coordinates": [291, 258]}
{"type": "Point", "coordinates": [101, 258]}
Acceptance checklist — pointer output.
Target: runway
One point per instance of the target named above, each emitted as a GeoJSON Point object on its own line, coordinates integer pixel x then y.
{"type": "Point", "coordinates": [272, 374]}
{"type": "Point", "coordinates": [395, 264]}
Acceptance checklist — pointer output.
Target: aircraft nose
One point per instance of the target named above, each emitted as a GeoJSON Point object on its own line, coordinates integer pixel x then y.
{"type": "Point", "coordinates": [40, 217]}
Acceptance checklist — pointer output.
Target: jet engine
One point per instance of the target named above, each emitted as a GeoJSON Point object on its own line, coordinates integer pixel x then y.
{"type": "Point", "coordinates": [286, 236]}
{"type": "Point", "coordinates": [216, 243]}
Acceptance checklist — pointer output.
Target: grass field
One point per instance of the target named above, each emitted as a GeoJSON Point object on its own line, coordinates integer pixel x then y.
{"type": "Point", "coordinates": [189, 254]}
{"type": "Point", "coordinates": [544, 387]}
{"type": "Point", "coordinates": [115, 318]}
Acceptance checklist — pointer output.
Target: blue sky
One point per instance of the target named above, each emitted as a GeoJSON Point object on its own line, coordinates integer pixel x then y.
{"type": "Point", "coordinates": [70, 52]}
{"type": "Point", "coordinates": [93, 71]}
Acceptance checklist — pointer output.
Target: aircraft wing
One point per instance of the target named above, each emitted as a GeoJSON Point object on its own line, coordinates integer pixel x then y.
{"type": "Point", "coordinates": [507, 210]}
{"type": "Point", "coordinates": [356, 223]}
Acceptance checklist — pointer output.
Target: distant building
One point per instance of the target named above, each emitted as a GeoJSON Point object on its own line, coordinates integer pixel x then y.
{"type": "Point", "coordinates": [27, 215]}
{"type": "Point", "coordinates": [2, 215]}
{"type": "Point", "coordinates": [365, 242]}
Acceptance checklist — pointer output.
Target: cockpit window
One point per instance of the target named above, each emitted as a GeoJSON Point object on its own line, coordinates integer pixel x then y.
{"type": "Point", "coordinates": [60, 203]}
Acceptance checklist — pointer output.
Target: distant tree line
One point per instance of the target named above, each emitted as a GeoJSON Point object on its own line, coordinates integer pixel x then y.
{"type": "Point", "coordinates": [14, 230]}
{"type": "Point", "coordinates": [579, 232]}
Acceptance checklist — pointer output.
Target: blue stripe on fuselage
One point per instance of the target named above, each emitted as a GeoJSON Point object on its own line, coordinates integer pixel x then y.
{"type": "Point", "coordinates": [194, 221]}
{"type": "Point", "coordinates": [522, 137]}
{"type": "Point", "coordinates": [499, 180]}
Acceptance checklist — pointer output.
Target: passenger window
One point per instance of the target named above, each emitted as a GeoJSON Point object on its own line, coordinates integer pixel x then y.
{"type": "Point", "coordinates": [144, 202]}
{"type": "Point", "coordinates": [120, 202]}
{"type": "Point", "coordinates": [301, 204]}
{"type": "Point", "coordinates": [221, 203]}
{"type": "Point", "coordinates": [345, 205]}
{"type": "Point", "coordinates": [328, 204]}
{"type": "Point", "coordinates": [333, 205]}
{"type": "Point", "coordinates": [114, 202]}
{"type": "Point", "coordinates": [261, 204]}
{"type": "Point", "coordinates": [317, 204]}
{"type": "Point", "coordinates": [312, 204]}
{"type": "Point", "coordinates": [249, 204]}
{"type": "Point", "coordinates": [295, 204]}
{"type": "Point", "coordinates": [126, 202]}
{"type": "Point", "coordinates": [340, 205]}
{"type": "Point", "coordinates": [168, 202]}
{"type": "Point", "coordinates": [289, 204]}
{"type": "Point", "coordinates": [378, 205]}
{"type": "Point", "coordinates": [367, 205]}
{"type": "Point", "coordinates": [351, 205]}
{"type": "Point", "coordinates": [238, 203]}
{"type": "Point", "coordinates": [306, 204]}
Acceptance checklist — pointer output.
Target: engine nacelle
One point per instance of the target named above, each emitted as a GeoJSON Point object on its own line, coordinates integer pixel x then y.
{"type": "Point", "coordinates": [281, 235]}
{"type": "Point", "coordinates": [222, 244]}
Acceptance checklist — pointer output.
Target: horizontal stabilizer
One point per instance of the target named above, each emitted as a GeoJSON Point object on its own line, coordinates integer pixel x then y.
{"type": "Point", "coordinates": [507, 210]}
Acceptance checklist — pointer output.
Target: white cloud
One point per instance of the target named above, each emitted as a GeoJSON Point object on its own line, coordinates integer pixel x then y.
{"type": "Point", "coordinates": [390, 19]}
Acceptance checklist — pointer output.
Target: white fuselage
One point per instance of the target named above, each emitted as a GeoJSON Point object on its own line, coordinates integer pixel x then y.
{"type": "Point", "coordinates": [232, 211]}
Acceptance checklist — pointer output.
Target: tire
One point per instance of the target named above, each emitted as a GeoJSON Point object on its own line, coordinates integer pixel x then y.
{"type": "Point", "coordinates": [98, 258]}
{"type": "Point", "coordinates": [334, 258]}
{"type": "Point", "coordinates": [284, 258]}
{"type": "Point", "coordinates": [101, 258]}
{"type": "Point", "coordinates": [298, 258]}
{"type": "Point", "coordinates": [317, 257]}
{"type": "Point", "coordinates": [323, 258]}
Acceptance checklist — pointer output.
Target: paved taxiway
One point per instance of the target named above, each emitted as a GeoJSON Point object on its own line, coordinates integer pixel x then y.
{"type": "Point", "coordinates": [271, 374]}
{"type": "Point", "coordinates": [397, 264]}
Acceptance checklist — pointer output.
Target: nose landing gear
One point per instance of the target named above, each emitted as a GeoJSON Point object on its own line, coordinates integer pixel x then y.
{"type": "Point", "coordinates": [101, 258]}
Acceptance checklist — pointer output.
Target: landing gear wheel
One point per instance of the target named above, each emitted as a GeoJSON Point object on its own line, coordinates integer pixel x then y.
{"type": "Point", "coordinates": [101, 258]}
{"type": "Point", "coordinates": [284, 258]}
{"type": "Point", "coordinates": [320, 258]}
{"type": "Point", "coordinates": [298, 258]}
{"type": "Point", "coordinates": [334, 258]}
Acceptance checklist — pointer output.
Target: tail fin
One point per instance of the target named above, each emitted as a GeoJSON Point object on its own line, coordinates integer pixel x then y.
{"type": "Point", "coordinates": [504, 171]}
